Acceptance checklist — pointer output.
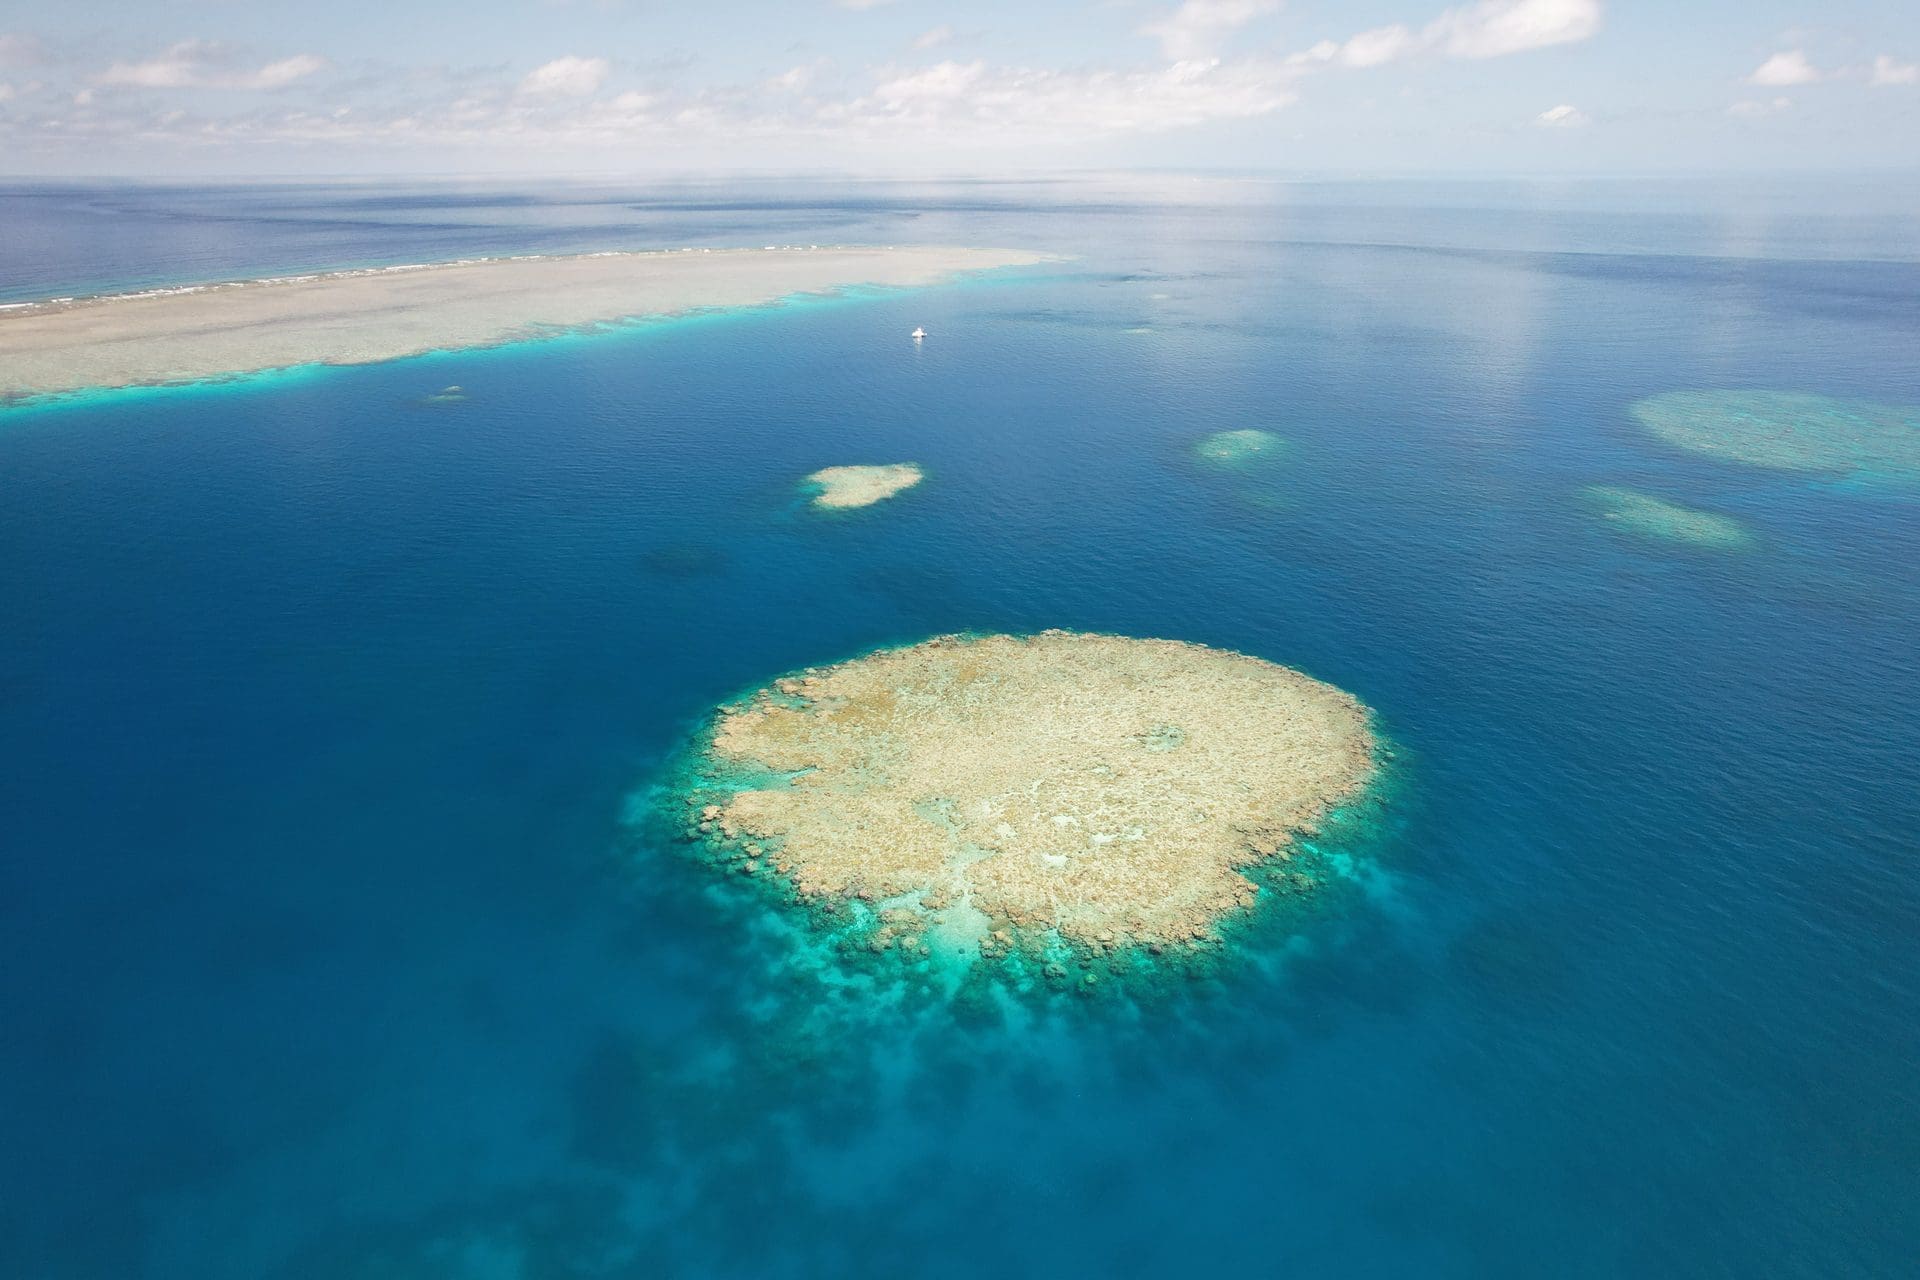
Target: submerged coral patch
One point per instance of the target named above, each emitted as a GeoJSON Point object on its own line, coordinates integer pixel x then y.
{"type": "Point", "coordinates": [1790, 431]}
{"type": "Point", "coordinates": [1236, 448]}
{"type": "Point", "coordinates": [997, 791]}
{"type": "Point", "coordinates": [1646, 516]}
{"type": "Point", "coordinates": [685, 560]}
{"type": "Point", "coordinates": [842, 487]}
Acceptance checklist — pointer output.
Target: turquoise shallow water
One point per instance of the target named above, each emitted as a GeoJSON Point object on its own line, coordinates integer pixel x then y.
{"type": "Point", "coordinates": [331, 948]}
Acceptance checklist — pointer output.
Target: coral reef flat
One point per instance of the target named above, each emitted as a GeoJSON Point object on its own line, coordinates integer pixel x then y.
{"type": "Point", "coordinates": [358, 317]}
{"type": "Point", "coordinates": [1104, 790]}
{"type": "Point", "coordinates": [1647, 516]}
{"type": "Point", "coordinates": [861, 486]}
{"type": "Point", "coordinates": [1790, 431]}
{"type": "Point", "coordinates": [1237, 448]}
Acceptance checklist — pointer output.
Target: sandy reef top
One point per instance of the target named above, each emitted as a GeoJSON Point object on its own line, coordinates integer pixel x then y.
{"type": "Point", "coordinates": [1789, 431]}
{"type": "Point", "coordinates": [842, 487]}
{"type": "Point", "coordinates": [356, 317]}
{"type": "Point", "coordinates": [1106, 789]}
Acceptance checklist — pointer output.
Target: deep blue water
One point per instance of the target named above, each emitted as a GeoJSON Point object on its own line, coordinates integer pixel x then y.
{"type": "Point", "coordinates": [327, 948]}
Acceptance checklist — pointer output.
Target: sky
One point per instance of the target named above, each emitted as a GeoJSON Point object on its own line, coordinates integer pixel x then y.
{"type": "Point", "coordinates": [267, 87]}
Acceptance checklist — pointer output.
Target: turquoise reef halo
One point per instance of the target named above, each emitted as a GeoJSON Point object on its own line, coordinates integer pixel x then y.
{"type": "Point", "coordinates": [1790, 431]}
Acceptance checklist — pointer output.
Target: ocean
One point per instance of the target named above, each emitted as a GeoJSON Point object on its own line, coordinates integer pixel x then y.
{"type": "Point", "coordinates": [338, 938]}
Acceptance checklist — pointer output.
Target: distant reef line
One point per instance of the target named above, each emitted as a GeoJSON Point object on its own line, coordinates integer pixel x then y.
{"type": "Point", "coordinates": [193, 333]}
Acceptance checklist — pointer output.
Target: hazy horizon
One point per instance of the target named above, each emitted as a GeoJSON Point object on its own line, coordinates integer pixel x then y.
{"type": "Point", "coordinates": [916, 87]}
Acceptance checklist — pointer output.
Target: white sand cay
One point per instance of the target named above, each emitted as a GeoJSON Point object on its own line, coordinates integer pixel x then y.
{"type": "Point", "coordinates": [357, 317]}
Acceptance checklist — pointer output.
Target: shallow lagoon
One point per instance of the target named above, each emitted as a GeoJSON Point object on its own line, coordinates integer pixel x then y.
{"type": "Point", "coordinates": [334, 948]}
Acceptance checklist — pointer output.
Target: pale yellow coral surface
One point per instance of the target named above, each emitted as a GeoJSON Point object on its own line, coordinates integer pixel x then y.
{"type": "Point", "coordinates": [842, 487]}
{"type": "Point", "coordinates": [1109, 788]}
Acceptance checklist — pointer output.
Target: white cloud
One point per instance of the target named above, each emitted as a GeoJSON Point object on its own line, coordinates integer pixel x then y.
{"type": "Point", "coordinates": [7, 92]}
{"type": "Point", "coordinates": [1752, 109]}
{"type": "Point", "coordinates": [1784, 69]}
{"type": "Point", "coordinates": [958, 105]}
{"type": "Point", "coordinates": [1886, 71]}
{"type": "Point", "coordinates": [973, 98]}
{"type": "Point", "coordinates": [861, 4]}
{"type": "Point", "coordinates": [18, 50]}
{"type": "Point", "coordinates": [1495, 28]}
{"type": "Point", "coordinates": [934, 38]}
{"type": "Point", "coordinates": [284, 72]}
{"type": "Point", "coordinates": [568, 77]}
{"type": "Point", "coordinates": [194, 64]}
{"type": "Point", "coordinates": [1195, 29]}
{"type": "Point", "coordinates": [953, 107]}
{"type": "Point", "coordinates": [1490, 29]}
{"type": "Point", "coordinates": [1564, 116]}
{"type": "Point", "coordinates": [793, 79]}
{"type": "Point", "coordinates": [1376, 48]}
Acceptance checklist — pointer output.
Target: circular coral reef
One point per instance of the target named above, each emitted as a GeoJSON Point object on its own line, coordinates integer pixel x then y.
{"type": "Point", "coordinates": [1023, 791]}
{"type": "Point", "coordinates": [1238, 448]}
{"type": "Point", "coordinates": [841, 487]}
{"type": "Point", "coordinates": [1789, 431]}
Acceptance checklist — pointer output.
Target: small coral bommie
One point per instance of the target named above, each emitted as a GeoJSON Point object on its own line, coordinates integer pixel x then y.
{"type": "Point", "coordinates": [1646, 516]}
{"type": "Point", "coordinates": [1238, 448]}
{"type": "Point", "coordinates": [844, 487]}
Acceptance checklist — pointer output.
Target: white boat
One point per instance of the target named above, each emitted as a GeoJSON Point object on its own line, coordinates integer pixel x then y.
{"type": "Point", "coordinates": [919, 334]}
